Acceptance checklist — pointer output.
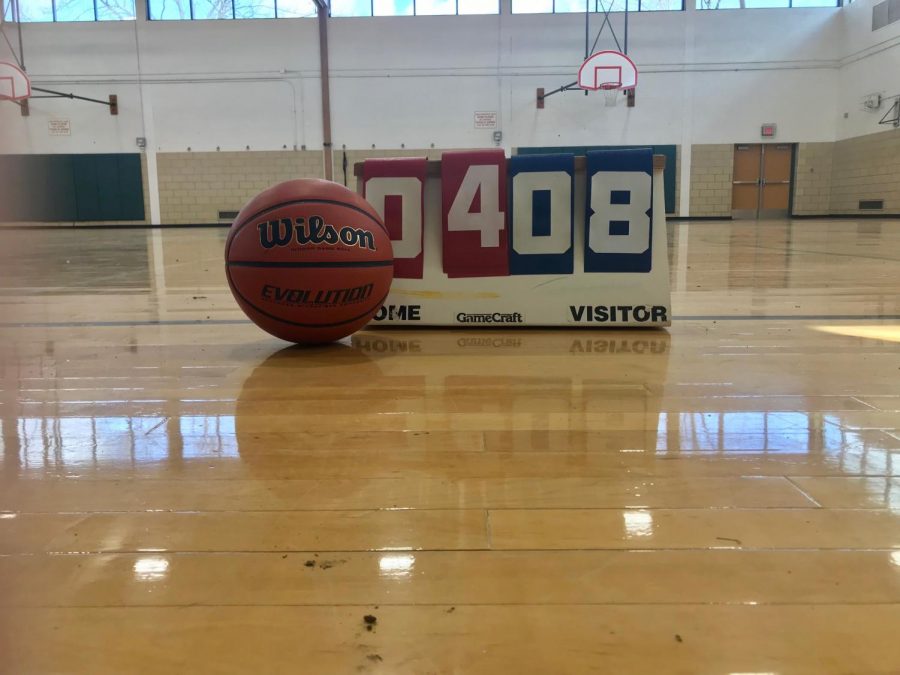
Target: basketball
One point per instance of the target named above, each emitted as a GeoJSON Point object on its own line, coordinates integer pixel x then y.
{"type": "Point", "coordinates": [309, 261]}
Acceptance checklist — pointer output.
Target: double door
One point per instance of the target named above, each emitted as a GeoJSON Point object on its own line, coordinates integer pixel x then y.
{"type": "Point", "coordinates": [761, 185]}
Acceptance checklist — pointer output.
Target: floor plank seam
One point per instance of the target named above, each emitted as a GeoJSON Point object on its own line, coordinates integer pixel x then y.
{"type": "Point", "coordinates": [743, 548]}
{"type": "Point", "coordinates": [815, 506]}
{"type": "Point", "coordinates": [442, 605]}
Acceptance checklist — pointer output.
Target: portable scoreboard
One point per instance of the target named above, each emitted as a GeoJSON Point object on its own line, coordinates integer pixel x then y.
{"type": "Point", "coordinates": [480, 239]}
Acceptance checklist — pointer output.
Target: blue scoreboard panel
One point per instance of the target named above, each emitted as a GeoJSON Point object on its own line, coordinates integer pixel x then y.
{"type": "Point", "coordinates": [533, 240]}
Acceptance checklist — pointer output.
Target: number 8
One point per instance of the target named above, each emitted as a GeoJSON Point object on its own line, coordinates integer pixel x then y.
{"type": "Point", "coordinates": [637, 239]}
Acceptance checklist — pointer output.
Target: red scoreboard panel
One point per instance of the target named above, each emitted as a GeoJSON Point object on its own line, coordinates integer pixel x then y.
{"type": "Point", "coordinates": [395, 188]}
{"type": "Point", "coordinates": [473, 214]}
{"type": "Point", "coordinates": [540, 240]}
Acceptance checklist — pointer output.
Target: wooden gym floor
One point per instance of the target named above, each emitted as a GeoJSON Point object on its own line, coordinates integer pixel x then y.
{"type": "Point", "coordinates": [179, 493]}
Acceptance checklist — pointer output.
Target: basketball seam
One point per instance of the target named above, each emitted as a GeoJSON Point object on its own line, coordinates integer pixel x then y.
{"type": "Point", "coordinates": [237, 292]}
{"type": "Point", "coordinates": [236, 229]}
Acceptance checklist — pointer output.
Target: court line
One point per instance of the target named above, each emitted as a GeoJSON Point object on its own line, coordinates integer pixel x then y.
{"type": "Point", "coordinates": [788, 317]}
{"type": "Point", "coordinates": [580, 327]}
{"type": "Point", "coordinates": [792, 251]}
{"type": "Point", "coordinates": [300, 265]}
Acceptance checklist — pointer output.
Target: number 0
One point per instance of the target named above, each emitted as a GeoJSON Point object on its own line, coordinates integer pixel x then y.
{"type": "Point", "coordinates": [559, 185]}
{"type": "Point", "coordinates": [410, 192]}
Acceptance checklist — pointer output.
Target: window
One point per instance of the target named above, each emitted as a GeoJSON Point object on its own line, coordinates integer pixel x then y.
{"type": "Point", "coordinates": [392, 7]}
{"type": "Point", "coordinates": [661, 5]}
{"type": "Point", "coordinates": [166, 10]}
{"type": "Point", "coordinates": [71, 10]}
{"type": "Point", "coordinates": [759, 4]}
{"type": "Point", "coordinates": [174, 10]}
{"type": "Point", "coordinates": [435, 7]}
{"type": "Point", "coordinates": [280, 9]}
{"type": "Point", "coordinates": [211, 9]}
{"type": "Point", "coordinates": [532, 6]}
{"type": "Point", "coordinates": [292, 9]}
{"type": "Point", "coordinates": [570, 6]}
{"type": "Point", "coordinates": [257, 9]}
{"type": "Point", "coordinates": [170, 9]}
{"type": "Point", "coordinates": [477, 7]}
{"type": "Point", "coordinates": [351, 7]}
{"type": "Point", "coordinates": [413, 7]}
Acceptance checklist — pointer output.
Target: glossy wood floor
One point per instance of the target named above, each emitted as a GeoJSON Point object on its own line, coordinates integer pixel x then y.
{"type": "Point", "coordinates": [180, 493]}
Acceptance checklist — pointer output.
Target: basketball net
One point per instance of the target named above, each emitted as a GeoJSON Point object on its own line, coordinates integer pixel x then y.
{"type": "Point", "coordinates": [611, 93]}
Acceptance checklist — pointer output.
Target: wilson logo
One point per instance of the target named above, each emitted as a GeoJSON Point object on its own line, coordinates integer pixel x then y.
{"type": "Point", "coordinates": [317, 232]}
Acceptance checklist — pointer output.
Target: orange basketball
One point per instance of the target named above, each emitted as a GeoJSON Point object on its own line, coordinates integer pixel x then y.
{"type": "Point", "coordinates": [309, 261]}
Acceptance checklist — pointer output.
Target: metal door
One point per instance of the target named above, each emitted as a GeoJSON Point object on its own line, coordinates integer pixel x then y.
{"type": "Point", "coordinates": [761, 183]}
{"type": "Point", "coordinates": [775, 199]}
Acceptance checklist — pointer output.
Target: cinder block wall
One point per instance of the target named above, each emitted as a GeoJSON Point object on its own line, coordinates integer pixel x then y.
{"type": "Point", "coordinates": [812, 179]}
{"type": "Point", "coordinates": [712, 167]}
{"type": "Point", "coordinates": [866, 167]}
{"type": "Point", "coordinates": [354, 156]}
{"type": "Point", "coordinates": [195, 186]}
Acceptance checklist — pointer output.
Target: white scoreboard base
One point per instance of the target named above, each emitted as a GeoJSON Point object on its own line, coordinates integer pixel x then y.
{"type": "Point", "coordinates": [577, 300]}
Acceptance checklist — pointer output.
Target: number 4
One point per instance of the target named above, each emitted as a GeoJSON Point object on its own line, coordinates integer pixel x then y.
{"type": "Point", "coordinates": [490, 220]}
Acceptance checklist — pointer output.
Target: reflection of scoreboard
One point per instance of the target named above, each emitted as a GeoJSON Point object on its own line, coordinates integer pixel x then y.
{"type": "Point", "coordinates": [534, 240]}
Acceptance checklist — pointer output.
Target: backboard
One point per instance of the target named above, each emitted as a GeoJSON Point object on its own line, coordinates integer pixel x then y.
{"type": "Point", "coordinates": [607, 70]}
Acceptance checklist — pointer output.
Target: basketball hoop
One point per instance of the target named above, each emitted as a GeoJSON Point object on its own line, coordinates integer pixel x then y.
{"type": "Point", "coordinates": [609, 72]}
{"type": "Point", "coordinates": [606, 71]}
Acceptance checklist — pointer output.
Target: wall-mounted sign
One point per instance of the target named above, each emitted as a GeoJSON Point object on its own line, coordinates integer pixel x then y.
{"type": "Point", "coordinates": [486, 119]}
{"type": "Point", "coordinates": [60, 127]}
{"type": "Point", "coordinates": [768, 130]}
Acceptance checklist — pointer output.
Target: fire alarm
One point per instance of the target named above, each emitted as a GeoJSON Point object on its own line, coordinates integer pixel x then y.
{"type": "Point", "coordinates": [768, 130]}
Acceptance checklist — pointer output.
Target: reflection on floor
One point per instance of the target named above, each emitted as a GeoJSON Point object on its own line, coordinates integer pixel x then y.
{"type": "Point", "coordinates": [177, 487]}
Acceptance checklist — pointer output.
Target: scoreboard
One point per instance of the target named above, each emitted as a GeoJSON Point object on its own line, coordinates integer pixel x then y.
{"type": "Point", "coordinates": [480, 239]}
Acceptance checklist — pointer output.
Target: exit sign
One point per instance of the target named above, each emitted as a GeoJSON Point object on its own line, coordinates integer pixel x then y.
{"type": "Point", "coordinates": [768, 130]}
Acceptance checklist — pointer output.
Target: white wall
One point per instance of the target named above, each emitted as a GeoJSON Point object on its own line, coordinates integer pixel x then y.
{"type": "Point", "coordinates": [870, 64]}
{"type": "Point", "coordinates": [706, 77]}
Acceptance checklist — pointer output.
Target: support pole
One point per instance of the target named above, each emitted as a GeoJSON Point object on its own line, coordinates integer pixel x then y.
{"type": "Point", "coordinates": [60, 94]}
{"type": "Point", "coordinates": [18, 19]}
{"type": "Point", "coordinates": [587, 27]}
{"type": "Point", "coordinates": [322, 8]}
{"type": "Point", "coordinates": [625, 51]}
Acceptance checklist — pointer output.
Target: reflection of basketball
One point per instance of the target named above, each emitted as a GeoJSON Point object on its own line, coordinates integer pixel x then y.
{"type": "Point", "coordinates": [309, 261]}
{"type": "Point", "coordinates": [282, 410]}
